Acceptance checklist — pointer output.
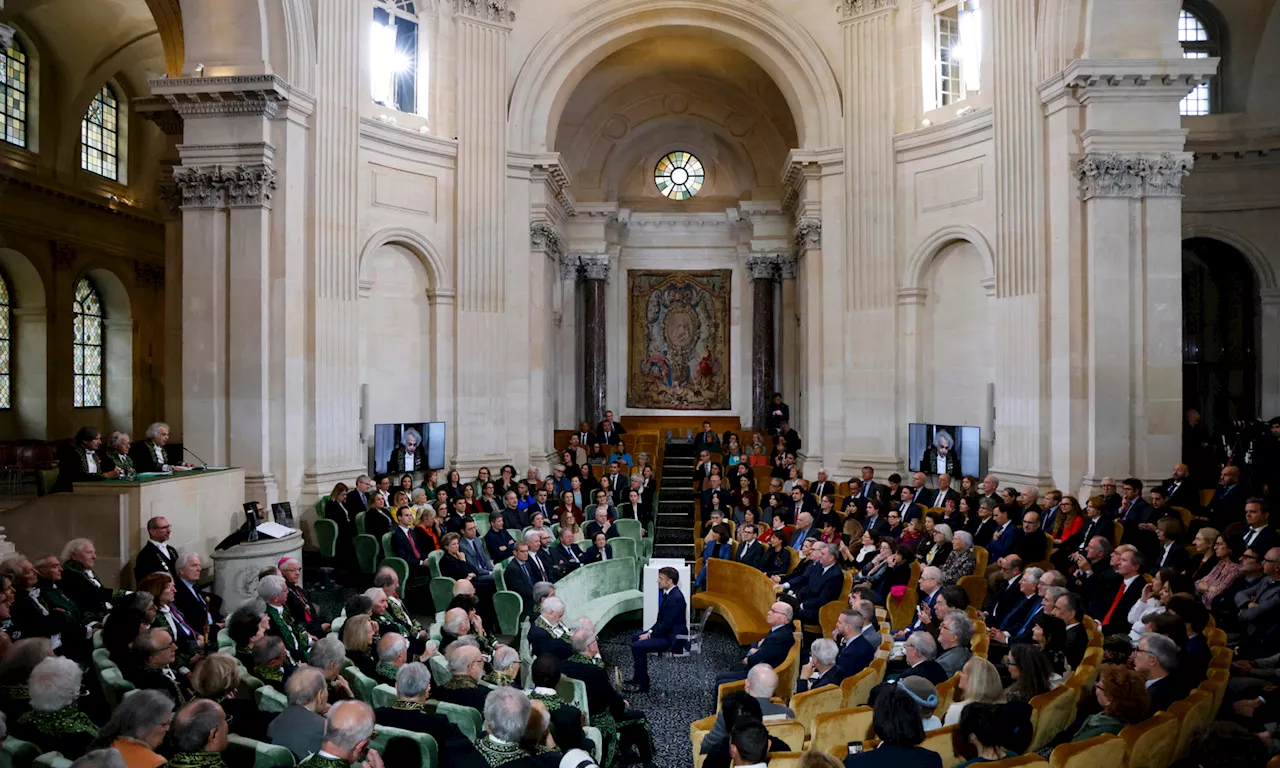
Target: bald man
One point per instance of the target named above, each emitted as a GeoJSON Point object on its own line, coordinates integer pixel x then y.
{"type": "Point", "coordinates": [1180, 491]}
{"type": "Point", "coordinates": [346, 738]}
{"type": "Point", "coordinates": [772, 649]}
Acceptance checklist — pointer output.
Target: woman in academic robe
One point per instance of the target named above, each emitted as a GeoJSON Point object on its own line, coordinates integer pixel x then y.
{"type": "Point", "coordinates": [599, 551]}
{"type": "Point", "coordinates": [80, 461]}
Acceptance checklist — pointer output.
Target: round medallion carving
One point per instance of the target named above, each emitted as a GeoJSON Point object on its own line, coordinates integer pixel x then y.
{"type": "Point", "coordinates": [738, 125]}
{"type": "Point", "coordinates": [616, 127]}
{"type": "Point", "coordinates": [677, 103]}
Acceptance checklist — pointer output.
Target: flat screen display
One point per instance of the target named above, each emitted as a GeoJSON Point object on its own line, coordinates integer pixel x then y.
{"type": "Point", "coordinates": [936, 449]}
{"type": "Point", "coordinates": [392, 441]}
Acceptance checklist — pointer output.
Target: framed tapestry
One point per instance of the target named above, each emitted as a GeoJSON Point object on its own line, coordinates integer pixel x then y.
{"type": "Point", "coordinates": [678, 350]}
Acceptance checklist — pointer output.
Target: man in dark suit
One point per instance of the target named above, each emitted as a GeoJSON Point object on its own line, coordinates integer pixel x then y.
{"type": "Point", "coordinates": [613, 424]}
{"type": "Point", "coordinates": [410, 713]}
{"type": "Point", "coordinates": [498, 541]}
{"type": "Point", "coordinates": [804, 530]}
{"type": "Point", "coordinates": [587, 666]}
{"type": "Point", "coordinates": [404, 547]}
{"type": "Point", "coordinates": [519, 578]}
{"type": "Point", "coordinates": [779, 413]}
{"type": "Point", "coordinates": [873, 523]}
{"type": "Point", "coordinates": [1006, 532]}
{"type": "Point", "coordinates": [516, 519]}
{"type": "Point", "coordinates": [1227, 506]}
{"type": "Point", "coordinates": [198, 609]}
{"type": "Point", "coordinates": [1113, 600]}
{"type": "Point", "coordinates": [83, 585]}
{"type": "Point", "coordinates": [358, 497]}
{"type": "Point", "coordinates": [943, 493]}
{"type": "Point", "coordinates": [618, 484]}
{"type": "Point", "coordinates": [156, 556]}
{"type": "Point", "coordinates": [1257, 533]}
{"type": "Point", "coordinates": [1094, 525]}
{"type": "Point", "coordinates": [1180, 491]}
{"type": "Point", "coordinates": [466, 664]}
{"type": "Point", "coordinates": [790, 435]}
{"type": "Point", "coordinates": [540, 505]}
{"type": "Point", "coordinates": [707, 439]}
{"type": "Point", "coordinates": [608, 434]}
{"type": "Point", "coordinates": [1033, 545]}
{"type": "Point", "coordinates": [821, 669]}
{"type": "Point", "coordinates": [908, 508]}
{"type": "Point", "coordinates": [714, 486]}
{"type": "Point", "coordinates": [1223, 607]}
{"type": "Point", "coordinates": [665, 633]}
{"type": "Point", "coordinates": [1154, 658]}
{"type": "Point", "coordinates": [920, 651]}
{"type": "Point", "coordinates": [817, 586]}
{"type": "Point", "coordinates": [565, 555]}
{"type": "Point", "coordinates": [772, 649]}
{"type": "Point", "coordinates": [749, 551]}
{"type": "Point", "coordinates": [930, 586]}
{"type": "Point", "coordinates": [1008, 594]}
{"type": "Point", "coordinates": [856, 651]}
{"type": "Point", "coordinates": [987, 526]}
{"type": "Point", "coordinates": [1133, 514]}
{"type": "Point", "coordinates": [1069, 608]}
{"type": "Point", "coordinates": [822, 486]}
{"type": "Point", "coordinates": [870, 488]}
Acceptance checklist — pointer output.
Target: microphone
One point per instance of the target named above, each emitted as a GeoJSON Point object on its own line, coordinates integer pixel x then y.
{"type": "Point", "coordinates": [203, 464]}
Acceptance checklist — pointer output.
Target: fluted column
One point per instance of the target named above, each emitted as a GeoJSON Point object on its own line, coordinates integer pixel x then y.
{"type": "Point", "coordinates": [870, 54]}
{"type": "Point", "coordinates": [1019, 452]}
{"type": "Point", "coordinates": [335, 449]}
{"type": "Point", "coordinates": [595, 278]}
{"type": "Point", "coordinates": [483, 30]}
{"type": "Point", "coordinates": [762, 271]}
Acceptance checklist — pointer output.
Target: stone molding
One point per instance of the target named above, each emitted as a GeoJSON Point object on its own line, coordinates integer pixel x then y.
{"type": "Point", "coordinates": [595, 266]}
{"type": "Point", "coordinates": [853, 9]}
{"type": "Point", "coordinates": [808, 236]}
{"type": "Point", "coordinates": [485, 10]}
{"type": "Point", "coordinates": [763, 266]}
{"type": "Point", "coordinates": [543, 236]}
{"type": "Point", "coordinates": [216, 187]}
{"type": "Point", "coordinates": [1132, 175]}
{"type": "Point", "coordinates": [170, 197]}
{"type": "Point", "coordinates": [231, 96]}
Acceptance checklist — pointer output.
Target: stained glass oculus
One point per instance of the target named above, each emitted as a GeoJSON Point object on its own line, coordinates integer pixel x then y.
{"type": "Point", "coordinates": [679, 175]}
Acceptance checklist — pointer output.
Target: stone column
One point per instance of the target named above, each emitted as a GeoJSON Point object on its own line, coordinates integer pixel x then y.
{"type": "Point", "coordinates": [763, 272]}
{"type": "Point", "coordinates": [1269, 359]}
{"type": "Point", "coordinates": [870, 56]}
{"type": "Point", "coordinates": [567, 357]}
{"type": "Point", "coordinates": [595, 276]}
{"type": "Point", "coordinates": [483, 31]}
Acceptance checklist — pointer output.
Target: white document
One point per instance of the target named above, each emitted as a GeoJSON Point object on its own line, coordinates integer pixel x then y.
{"type": "Point", "coordinates": [274, 530]}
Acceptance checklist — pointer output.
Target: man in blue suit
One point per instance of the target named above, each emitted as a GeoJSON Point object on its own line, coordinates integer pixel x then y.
{"type": "Point", "coordinates": [856, 652]}
{"type": "Point", "coordinates": [931, 582]}
{"type": "Point", "coordinates": [772, 649]}
{"type": "Point", "coordinates": [665, 633]}
{"type": "Point", "coordinates": [818, 585]}
{"type": "Point", "coordinates": [1006, 532]}
{"type": "Point", "coordinates": [804, 530]}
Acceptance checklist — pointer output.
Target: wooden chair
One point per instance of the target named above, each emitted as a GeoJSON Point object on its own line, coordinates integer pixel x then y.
{"type": "Point", "coordinates": [1106, 751]}
{"type": "Point", "coordinates": [789, 731]}
{"type": "Point", "coordinates": [1151, 744]}
{"type": "Point", "coordinates": [837, 729]}
{"type": "Point", "coordinates": [810, 704]}
{"type": "Point", "coordinates": [1051, 714]}
{"type": "Point", "coordinates": [789, 670]}
{"type": "Point", "coordinates": [940, 741]}
{"type": "Point", "coordinates": [1192, 712]}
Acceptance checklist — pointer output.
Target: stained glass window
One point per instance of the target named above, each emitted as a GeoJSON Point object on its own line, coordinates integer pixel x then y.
{"type": "Point", "coordinates": [100, 134]}
{"type": "Point", "coordinates": [1197, 43]}
{"type": "Point", "coordinates": [13, 95]}
{"type": "Point", "coordinates": [679, 175]}
{"type": "Point", "coordinates": [6, 382]}
{"type": "Point", "coordinates": [88, 346]}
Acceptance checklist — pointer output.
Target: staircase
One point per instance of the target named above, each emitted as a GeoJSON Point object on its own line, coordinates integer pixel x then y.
{"type": "Point", "coordinates": [676, 506]}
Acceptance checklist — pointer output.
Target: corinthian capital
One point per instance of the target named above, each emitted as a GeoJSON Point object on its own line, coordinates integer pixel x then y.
{"type": "Point", "coordinates": [762, 266]}
{"type": "Point", "coordinates": [217, 187]}
{"type": "Point", "coordinates": [852, 9]}
{"type": "Point", "coordinates": [543, 236]}
{"type": "Point", "coordinates": [1132, 175]}
{"type": "Point", "coordinates": [595, 266]}
{"type": "Point", "coordinates": [485, 10]}
{"type": "Point", "coordinates": [807, 235]}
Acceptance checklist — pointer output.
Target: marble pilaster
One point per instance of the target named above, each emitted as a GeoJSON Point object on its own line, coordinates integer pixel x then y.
{"type": "Point", "coordinates": [763, 270]}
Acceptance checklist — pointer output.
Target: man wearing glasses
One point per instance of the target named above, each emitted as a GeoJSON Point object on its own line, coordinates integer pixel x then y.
{"type": "Point", "coordinates": [772, 649]}
{"type": "Point", "coordinates": [1223, 606]}
{"type": "Point", "coordinates": [1259, 607]}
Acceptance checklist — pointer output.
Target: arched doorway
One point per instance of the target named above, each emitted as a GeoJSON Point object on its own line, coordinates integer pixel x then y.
{"type": "Point", "coordinates": [1219, 334]}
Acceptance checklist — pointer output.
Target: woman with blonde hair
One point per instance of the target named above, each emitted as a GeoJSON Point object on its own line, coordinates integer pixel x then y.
{"type": "Point", "coordinates": [357, 638]}
{"type": "Point", "coordinates": [814, 758]}
{"type": "Point", "coordinates": [568, 520]}
{"type": "Point", "coordinates": [979, 681]}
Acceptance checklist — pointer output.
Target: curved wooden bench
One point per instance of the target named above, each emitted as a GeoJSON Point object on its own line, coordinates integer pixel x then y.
{"type": "Point", "coordinates": [739, 594]}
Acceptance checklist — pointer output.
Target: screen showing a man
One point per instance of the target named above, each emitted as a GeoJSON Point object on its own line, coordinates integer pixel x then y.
{"type": "Point", "coordinates": [943, 449]}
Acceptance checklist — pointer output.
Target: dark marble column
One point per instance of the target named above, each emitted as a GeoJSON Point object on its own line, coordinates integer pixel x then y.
{"type": "Point", "coordinates": [595, 275]}
{"type": "Point", "coordinates": [762, 270]}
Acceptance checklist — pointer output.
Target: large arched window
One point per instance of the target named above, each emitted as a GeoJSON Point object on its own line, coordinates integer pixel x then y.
{"type": "Point", "coordinates": [6, 362]}
{"type": "Point", "coordinates": [1199, 41]}
{"type": "Point", "coordinates": [393, 51]}
{"type": "Point", "coordinates": [13, 95]}
{"type": "Point", "coordinates": [88, 346]}
{"type": "Point", "coordinates": [100, 136]}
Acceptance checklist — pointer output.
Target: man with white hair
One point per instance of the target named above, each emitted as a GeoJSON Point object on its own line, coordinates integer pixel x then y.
{"type": "Point", "coordinates": [328, 655]}
{"type": "Point", "coordinates": [762, 683]}
{"type": "Point", "coordinates": [955, 630]}
{"type": "Point", "coordinates": [150, 455]}
{"type": "Point", "coordinates": [83, 585]}
{"type": "Point", "coordinates": [275, 594]}
{"type": "Point", "coordinates": [347, 733]}
{"type": "Point", "coordinates": [821, 669]}
{"type": "Point", "coordinates": [1018, 623]}
{"type": "Point", "coordinates": [393, 652]}
{"type": "Point", "coordinates": [538, 565]}
{"type": "Point", "coordinates": [506, 715]}
{"type": "Point", "coordinates": [201, 611]}
{"type": "Point", "coordinates": [300, 727]}
{"type": "Point", "coordinates": [506, 666]}
{"type": "Point", "coordinates": [466, 665]}
{"type": "Point", "coordinates": [409, 712]}
{"type": "Point", "coordinates": [921, 653]}
{"type": "Point", "coordinates": [388, 581]}
{"type": "Point", "coordinates": [115, 455]}
{"type": "Point", "coordinates": [822, 486]}
{"type": "Point", "coordinates": [931, 583]}
{"type": "Point", "coordinates": [548, 633]}
{"type": "Point", "coordinates": [55, 723]}
{"type": "Point", "coordinates": [622, 729]}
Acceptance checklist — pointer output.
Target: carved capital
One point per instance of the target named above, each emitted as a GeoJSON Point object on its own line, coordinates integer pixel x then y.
{"type": "Point", "coordinates": [762, 266]}
{"type": "Point", "coordinates": [807, 236]}
{"type": "Point", "coordinates": [595, 266]}
{"type": "Point", "coordinates": [485, 10]}
{"type": "Point", "coordinates": [787, 267]}
{"type": "Point", "coordinates": [852, 9]}
{"type": "Point", "coordinates": [64, 255]}
{"type": "Point", "coordinates": [570, 269]}
{"type": "Point", "coordinates": [545, 237]}
{"type": "Point", "coordinates": [170, 197]}
{"type": "Point", "coordinates": [1135, 176]}
{"type": "Point", "coordinates": [217, 187]}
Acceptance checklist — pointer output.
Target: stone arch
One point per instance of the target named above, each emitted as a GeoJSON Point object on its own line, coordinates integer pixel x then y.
{"type": "Point", "coordinates": [415, 243]}
{"type": "Point", "coordinates": [773, 40]}
{"type": "Point", "coordinates": [1262, 269]}
{"type": "Point", "coordinates": [168, 17]}
{"type": "Point", "coordinates": [28, 345]}
{"type": "Point", "coordinates": [928, 250]}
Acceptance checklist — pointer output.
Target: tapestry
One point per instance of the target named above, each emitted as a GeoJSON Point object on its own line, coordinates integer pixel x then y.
{"type": "Point", "coordinates": [678, 355]}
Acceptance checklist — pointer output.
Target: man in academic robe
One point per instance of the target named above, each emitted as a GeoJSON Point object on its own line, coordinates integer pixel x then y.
{"type": "Point", "coordinates": [156, 556]}
{"type": "Point", "coordinates": [80, 460]}
{"type": "Point", "coordinates": [151, 455]}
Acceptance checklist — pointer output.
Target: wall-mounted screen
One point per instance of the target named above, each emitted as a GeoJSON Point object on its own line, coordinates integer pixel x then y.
{"type": "Point", "coordinates": [936, 449]}
{"type": "Point", "coordinates": [408, 447]}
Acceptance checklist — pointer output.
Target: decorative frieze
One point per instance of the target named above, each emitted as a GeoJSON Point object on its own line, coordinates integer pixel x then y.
{"type": "Point", "coordinates": [1136, 176]}
{"type": "Point", "coordinates": [850, 9]}
{"type": "Point", "coordinates": [230, 96]}
{"type": "Point", "coordinates": [485, 10]}
{"type": "Point", "coordinates": [595, 266]}
{"type": "Point", "coordinates": [216, 187]}
{"type": "Point", "coordinates": [763, 266]}
{"type": "Point", "coordinates": [170, 197]}
{"type": "Point", "coordinates": [545, 237]}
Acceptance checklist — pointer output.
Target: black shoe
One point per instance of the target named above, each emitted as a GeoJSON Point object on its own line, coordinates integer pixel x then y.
{"type": "Point", "coordinates": [634, 687]}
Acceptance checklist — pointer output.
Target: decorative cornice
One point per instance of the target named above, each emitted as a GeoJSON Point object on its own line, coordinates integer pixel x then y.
{"type": "Point", "coordinates": [1132, 175]}
{"type": "Point", "coordinates": [485, 10]}
{"type": "Point", "coordinates": [64, 255]}
{"type": "Point", "coordinates": [807, 235]}
{"type": "Point", "coordinates": [763, 266]}
{"type": "Point", "coordinates": [1130, 80]}
{"type": "Point", "coordinates": [595, 266]}
{"type": "Point", "coordinates": [545, 237]}
{"type": "Point", "coordinates": [852, 9]}
{"type": "Point", "coordinates": [216, 187]}
{"type": "Point", "coordinates": [160, 112]}
{"type": "Point", "coordinates": [231, 96]}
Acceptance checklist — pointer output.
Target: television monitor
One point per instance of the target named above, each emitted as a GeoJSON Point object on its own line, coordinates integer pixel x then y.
{"type": "Point", "coordinates": [388, 437]}
{"type": "Point", "coordinates": [283, 513]}
{"type": "Point", "coordinates": [937, 448]}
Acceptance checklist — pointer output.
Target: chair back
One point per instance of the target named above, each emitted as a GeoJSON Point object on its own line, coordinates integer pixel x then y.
{"type": "Point", "coordinates": [367, 553]}
{"type": "Point", "coordinates": [856, 689]}
{"type": "Point", "coordinates": [833, 729]}
{"type": "Point", "coordinates": [482, 523]}
{"type": "Point", "coordinates": [1192, 712]}
{"type": "Point", "coordinates": [810, 704]}
{"type": "Point", "coordinates": [629, 528]}
{"type": "Point", "coordinates": [575, 693]}
{"type": "Point", "coordinates": [980, 558]}
{"type": "Point", "coordinates": [256, 754]}
{"type": "Point", "coordinates": [784, 759]}
{"type": "Point", "coordinates": [468, 720]}
{"type": "Point", "coordinates": [401, 567]}
{"type": "Point", "coordinates": [509, 606]}
{"type": "Point", "coordinates": [115, 686]}
{"type": "Point", "coordinates": [51, 760]}
{"type": "Point", "coordinates": [433, 562]}
{"type": "Point", "coordinates": [789, 731]}
{"type": "Point", "coordinates": [383, 696]}
{"type": "Point", "coordinates": [1051, 714]}
{"type": "Point", "coordinates": [102, 659]}
{"type": "Point", "coordinates": [361, 684]}
{"type": "Point", "coordinates": [940, 741]}
{"type": "Point", "coordinates": [1151, 744]}
{"type": "Point", "coordinates": [441, 590]}
{"type": "Point", "coordinates": [1105, 751]}
{"type": "Point", "coordinates": [269, 699]}
{"type": "Point", "coordinates": [21, 754]}
{"type": "Point", "coordinates": [1216, 686]}
{"type": "Point", "coordinates": [439, 669]}
{"type": "Point", "coordinates": [428, 751]}
{"type": "Point", "coordinates": [326, 536]}
{"type": "Point", "coordinates": [975, 586]}
{"type": "Point", "coordinates": [946, 693]}
{"type": "Point", "coordinates": [789, 670]}
{"type": "Point", "coordinates": [725, 689]}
